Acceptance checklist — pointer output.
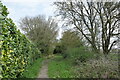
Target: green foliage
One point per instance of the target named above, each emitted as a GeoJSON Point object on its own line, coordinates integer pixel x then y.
{"type": "Point", "coordinates": [71, 39]}
{"type": "Point", "coordinates": [59, 68]}
{"type": "Point", "coordinates": [16, 51]}
{"type": "Point", "coordinates": [92, 68]}
{"type": "Point", "coordinates": [79, 55]}
{"type": "Point", "coordinates": [40, 31]}
{"type": "Point", "coordinates": [59, 49]}
{"type": "Point", "coordinates": [33, 70]}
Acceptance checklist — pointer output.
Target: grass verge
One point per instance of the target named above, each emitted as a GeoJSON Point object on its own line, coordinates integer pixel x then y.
{"type": "Point", "coordinates": [33, 70]}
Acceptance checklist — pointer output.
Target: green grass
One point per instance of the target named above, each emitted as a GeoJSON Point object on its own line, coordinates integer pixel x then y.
{"type": "Point", "coordinates": [59, 68]}
{"type": "Point", "coordinates": [33, 70]}
{"type": "Point", "coordinates": [92, 68]}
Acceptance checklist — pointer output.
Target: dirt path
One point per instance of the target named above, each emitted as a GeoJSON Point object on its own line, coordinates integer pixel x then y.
{"type": "Point", "coordinates": [44, 70]}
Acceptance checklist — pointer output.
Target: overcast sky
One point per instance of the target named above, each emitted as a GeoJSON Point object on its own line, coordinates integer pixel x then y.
{"type": "Point", "coordinates": [20, 8]}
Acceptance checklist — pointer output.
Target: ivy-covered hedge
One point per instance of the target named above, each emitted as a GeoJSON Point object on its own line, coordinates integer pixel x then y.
{"type": "Point", "coordinates": [16, 51]}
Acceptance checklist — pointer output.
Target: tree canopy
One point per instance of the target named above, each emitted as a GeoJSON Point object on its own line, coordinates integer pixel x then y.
{"type": "Point", "coordinates": [41, 31]}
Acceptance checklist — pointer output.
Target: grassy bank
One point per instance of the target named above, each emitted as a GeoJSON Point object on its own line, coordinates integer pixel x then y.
{"type": "Point", "coordinates": [33, 70]}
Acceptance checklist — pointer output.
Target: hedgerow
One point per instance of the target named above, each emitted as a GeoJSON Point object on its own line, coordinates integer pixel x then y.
{"type": "Point", "coordinates": [16, 51]}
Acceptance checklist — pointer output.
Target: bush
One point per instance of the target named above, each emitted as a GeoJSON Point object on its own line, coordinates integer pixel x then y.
{"type": "Point", "coordinates": [59, 49]}
{"type": "Point", "coordinates": [101, 68]}
{"type": "Point", "coordinates": [16, 51]}
{"type": "Point", "coordinates": [78, 54]}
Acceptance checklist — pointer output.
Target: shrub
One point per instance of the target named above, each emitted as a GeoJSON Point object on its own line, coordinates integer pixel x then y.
{"type": "Point", "coordinates": [59, 49]}
{"type": "Point", "coordinates": [78, 54]}
{"type": "Point", "coordinates": [101, 68]}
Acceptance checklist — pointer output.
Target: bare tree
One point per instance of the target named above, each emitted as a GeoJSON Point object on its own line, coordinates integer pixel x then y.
{"type": "Point", "coordinates": [97, 23]}
{"type": "Point", "coordinates": [109, 22]}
